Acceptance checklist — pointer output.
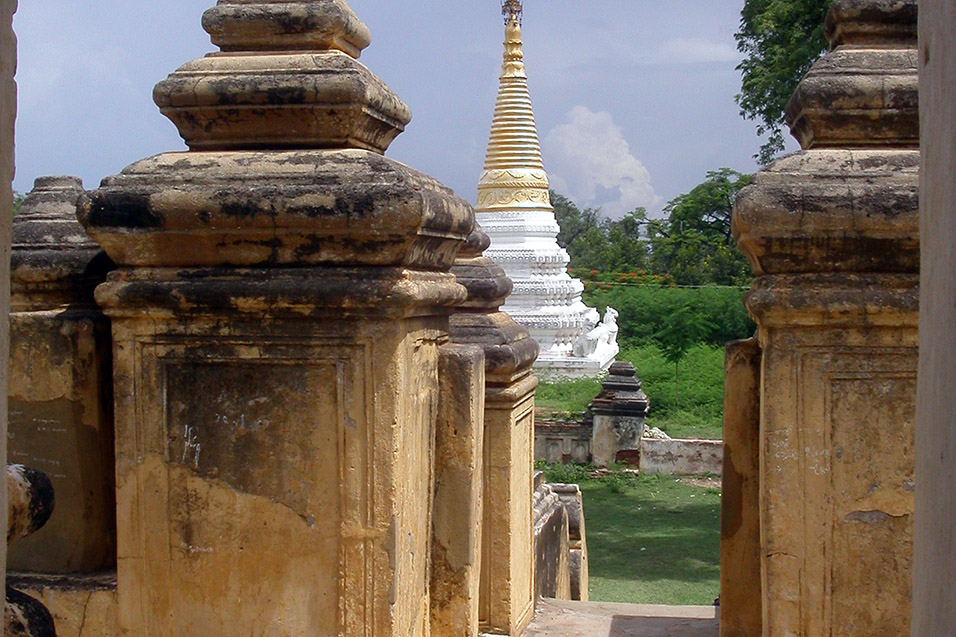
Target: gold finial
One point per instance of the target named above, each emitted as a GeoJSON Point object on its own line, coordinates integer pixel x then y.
{"type": "Point", "coordinates": [514, 176]}
{"type": "Point", "coordinates": [514, 55]}
{"type": "Point", "coordinates": [512, 10]}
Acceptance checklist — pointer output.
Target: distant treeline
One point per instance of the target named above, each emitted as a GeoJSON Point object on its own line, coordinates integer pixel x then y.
{"type": "Point", "coordinates": [677, 281]}
{"type": "Point", "coordinates": [692, 245]}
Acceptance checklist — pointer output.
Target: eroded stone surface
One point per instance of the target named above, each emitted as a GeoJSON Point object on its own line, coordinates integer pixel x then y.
{"type": "Point", "coordinates": [81, 605]}
{"type": "Point", "coordinates": [287, 77]}
{"type": "Point", "coordinates": [273, 209]}
{"type": "Point", "coordinates": [618, 411]}
{"type": "Point", "coordinates": [833, 234]}
{"type": "Point", "coordinates": [740, 595]}
{"type": "Point", "coordinates": [865, 92]}
{"type": "Point", "coordinates": [552, 543]}
{"type": "Point", "coordinates": [509, 350]}
{"type": "Point", "coordinates": [246, 26]}
{"type": "Point", "coordinates": [573, 501]}
{"type": "Point", "coordinates": [458, 503]}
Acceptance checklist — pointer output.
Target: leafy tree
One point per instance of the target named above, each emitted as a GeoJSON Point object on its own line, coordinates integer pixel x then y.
{"type": "Point", "coordinates": [17, 202]}
{"type": "Point", "coordinates": [678, 333]}
{"type": "Point", "coordinates": [600, 244]}
{"type": "Point", "coordinates": [694, 245]}
{"type": "Point", "coordinates": [573, 221]}
{"type": "Point", "coordinates": [780, 39]}
{"type": "Point", "coordinates": [627, 247]}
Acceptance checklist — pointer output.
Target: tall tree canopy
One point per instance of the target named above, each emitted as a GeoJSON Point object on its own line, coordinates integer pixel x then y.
{"type": "Point", "coordinates": [17, 201]}
{"type": "Point", "coordinates": [780, 39]}
{"type": "Point", "coordinates": [595, 243]}
{"type": "Point", "coordinates": [694, 244]}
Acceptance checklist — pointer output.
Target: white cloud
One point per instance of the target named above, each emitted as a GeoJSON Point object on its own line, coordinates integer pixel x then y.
{"type": "Point", "coordinates": [696, 51]}
{"type": "Point", "coordinates": [590, 161]}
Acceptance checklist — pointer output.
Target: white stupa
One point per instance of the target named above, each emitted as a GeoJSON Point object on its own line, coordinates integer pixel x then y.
{"type": "Point", "coordinates": [514, 209]}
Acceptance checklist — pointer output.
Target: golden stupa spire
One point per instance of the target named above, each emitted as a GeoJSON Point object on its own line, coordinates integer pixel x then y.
{"type": "Point", "coordinates": [514, 176]}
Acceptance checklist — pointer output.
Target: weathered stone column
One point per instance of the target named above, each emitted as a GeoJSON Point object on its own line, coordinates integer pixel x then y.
{"type": "Point", "coordinates": [281, 295]}
{"type": "Point", "coordinates": [619, 412]}
{"type": "Point", "coordinates": [740, 590]}
{"type": "Point", "coordinates": [552, 543]}
{"type": "Point", "coordinates": [833, 236]}
{"type": "Point", "coordinates": [60, 385]}
{"type": "Point", "coordinates": [507, 567]}
{"type": "Point", "coordinates": [456, 539]}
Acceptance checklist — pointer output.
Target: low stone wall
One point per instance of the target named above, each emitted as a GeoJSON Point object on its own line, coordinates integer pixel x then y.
{"type": "Point", "coordinates": [562, 442]}
{"type": "Point", "coordinates": [552, 543]}
{"type": "Point", "coordinates": [683, 457]}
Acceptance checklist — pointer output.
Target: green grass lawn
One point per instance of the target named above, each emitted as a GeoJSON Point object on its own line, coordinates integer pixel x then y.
{"type": "Point", "coordinates": [566, 398]}
{"type": "Point", "coordinates": [651, 539]}
{"type": "Point", "coordinates": [691, 408]}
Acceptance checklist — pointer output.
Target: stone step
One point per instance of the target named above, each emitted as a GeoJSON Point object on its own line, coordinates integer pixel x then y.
{"type": "Point", "coordinates": [599, 619]}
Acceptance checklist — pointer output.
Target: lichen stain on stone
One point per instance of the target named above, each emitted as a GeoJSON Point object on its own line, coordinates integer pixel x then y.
{"type": "Point", "coordinates": [127, 208]}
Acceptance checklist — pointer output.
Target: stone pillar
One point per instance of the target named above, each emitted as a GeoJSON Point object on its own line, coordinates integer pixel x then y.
{"type": "Point", "coordinates": [60, 385]}
{"type": "Point", "coordinates": [507, 562]}
{"type": "Point", "coordinates": [740, 591]}
{"type": "Point", "coordinates": [281, 295]}
{"type": "Point", "coordinates": [618, 414]}
{"type": "Point", "coordinates": [8, 114]}
{"type": "Point", "coordinates": [934, 581]}
{"type": "Point", "coordinates": [832, 233]}
{"type": "Point", "coordinates": [456, 540]}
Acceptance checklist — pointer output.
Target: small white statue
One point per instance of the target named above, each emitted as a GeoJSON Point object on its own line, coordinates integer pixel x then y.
{"type": "Point", "coordinates": [600, 336]}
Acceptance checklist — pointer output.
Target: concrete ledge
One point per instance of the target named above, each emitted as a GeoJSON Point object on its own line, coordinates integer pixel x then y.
{"type": "Point", "coordinates": [597, 619]}
{"type": "Point", "coordinates": [81, 605]}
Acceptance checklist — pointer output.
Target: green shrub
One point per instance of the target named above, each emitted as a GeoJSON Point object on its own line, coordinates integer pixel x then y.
{"type": "Point", "coordinates": [565, 473]}
{"type": "Point", "coordinates": [647, 309]}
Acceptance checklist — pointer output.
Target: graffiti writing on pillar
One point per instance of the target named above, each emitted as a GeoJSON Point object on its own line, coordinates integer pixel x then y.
{"type": "Point", "coordinates": [191, 448]}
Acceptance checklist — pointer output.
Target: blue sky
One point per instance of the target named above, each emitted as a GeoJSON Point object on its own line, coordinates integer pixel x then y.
{"type": "Point", "coordinates": [633, 98]}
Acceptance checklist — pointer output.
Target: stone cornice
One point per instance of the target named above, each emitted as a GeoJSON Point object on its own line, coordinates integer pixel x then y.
{"type": "Point", "coordinates": [835, 300]}
{"type": "Point", "coordinates": [287, 77]}
{"type": "Point", "coordinates": [53, 262]}
{"type": "Point", "coordinates": [345, 207]}
{"type": "Point", "coordinates": [832, 210]}
{"type": "Point", "coordinates": [283, 293]}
